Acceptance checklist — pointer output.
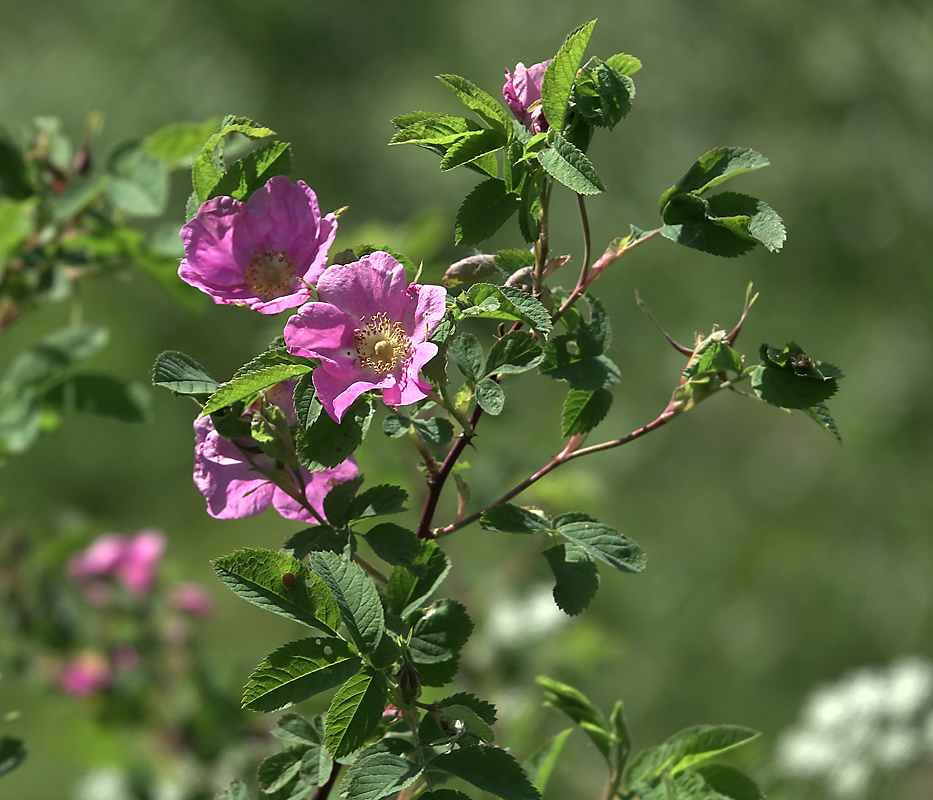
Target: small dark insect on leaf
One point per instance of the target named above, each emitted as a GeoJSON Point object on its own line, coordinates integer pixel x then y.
{"type": "Point", "coordinates": [800, 362]}
{"type": "Point", "coordinates": [288, 580]}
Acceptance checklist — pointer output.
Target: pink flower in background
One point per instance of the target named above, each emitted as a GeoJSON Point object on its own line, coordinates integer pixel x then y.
{"type": "Point", "coordinates": [370, 331]}
{"type": "Point", "coordinates": [193, 599]}
{"type": "Point", "coordinates": [233, 489]}
{"type": "Point", "coordinates": [132, 561]}
{"type": "Point", "coordinates": [522, 92]}
{"type": "Point", "coordinates": [260, 253]}
{"type": "Point", "coordinates": [86, 674]}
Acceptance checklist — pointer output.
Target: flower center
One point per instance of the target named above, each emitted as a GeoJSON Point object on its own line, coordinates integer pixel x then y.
{"type": "Point", "coordinates": [382, 345]}
{"type": "Point", "coordinates": [270, 274]}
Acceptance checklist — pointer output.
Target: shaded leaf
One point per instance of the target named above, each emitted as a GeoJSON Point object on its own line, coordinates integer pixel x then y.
{"type": "Point", "coordinates": [355, 712]}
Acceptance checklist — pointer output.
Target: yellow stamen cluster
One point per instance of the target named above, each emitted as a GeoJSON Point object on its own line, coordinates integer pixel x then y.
{"type": "Point", "coordinates": [381, 344]}
{"type": "Point", "coordinates": [270, 274]}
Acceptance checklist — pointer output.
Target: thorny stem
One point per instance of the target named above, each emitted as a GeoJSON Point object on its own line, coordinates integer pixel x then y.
{"type": "Point", "coordinates": [589, 275]}
{"type": "Point", "coordinates": [322, 792]}
{"type": "Point", "coordinates": [436, 482]}
{"type": "Point", "coordinates": [568, 454]}
{"type": "Point", "coordinates": [541, 246]}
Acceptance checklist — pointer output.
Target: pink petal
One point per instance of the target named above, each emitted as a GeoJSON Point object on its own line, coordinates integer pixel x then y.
{"type": "Point", "coordinates": [338, 388]}
{"type": "Point", "coordinates": [228, 483]}
{"type": "Point", "coordinates": [319, 330]}
{"type": "Point", "coordinates": [99, 559]}
{"type": "Point", "coordinates": [376, 284]}
{"type": "Point", "coordinates": [137, 569]}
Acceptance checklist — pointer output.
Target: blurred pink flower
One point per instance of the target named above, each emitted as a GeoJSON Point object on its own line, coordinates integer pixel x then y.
{"type": "Point", "coordinates": [124, 658]}
{"type": "Point", "coordinates": [132, 561]}
{"type": "Point", "coordinates": [522, 92]}
{"type": "Point", "coordinates": [260, 253]}
{"type": "Point", "coordinates": [370, 331]}
{"type": "Point", "coordinates": [86, 674]}
{"type": "Point", "coordinates": [233, 489]}
{"type": "Point", "coordinates": [193, 599]}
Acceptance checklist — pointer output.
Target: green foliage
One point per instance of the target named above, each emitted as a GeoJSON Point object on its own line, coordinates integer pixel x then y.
{"type": "Point", "coordinates": [182, 374]}
{"type": "Point", "coordinates": [564, 162]}
{"type": "Point", "coordinates": [436, 640]}
{"type": "Point", "coordinates": [256, 576]}
{"type": "Point", "coordinates": [323, 442]}
{"type": "Point", "coordinates": [138, 182]}
{"type": "Point", "coordinates": [583, 410]}
{"type": "Point", "coordinates": [299, 670]}
{"type": "Point", "coordinates": [356, 596]}
{"type": "Point", "coordinates": [488, 769]}
{"type": "Point", "coordinates": [378, 774]}
{"type": "Point", "coordinates": [485, 301]}
{"type": "Point", "coordinates": [517, 351]}
{"type": "Point", "coordinates": [355, 712]}
{"type": "Point", "coordinates": [377, 501]}
{"type": "Point", "coordinates": [467, 354]}
{"type": "Point", "coordinates": [409, 588]}
{"type": "Point", "coordinates": [540, 766]}
{"type": "Point", "coordinates": [208, 168]}
{"type": "Point", "coordinates": [102, 396]}
{"type": "Point", "coordinates": [12, 753]}
{"type": "Point", "coordinates": [576, 576]}
{"type": "Point", "coordinates": [179, 144]}
{"type": "Point", "coordinates": [486, 209]}
{"type": "Point", "coordinates": [267, 369]}
{"type": "Point", "coordinates": [561, 73]}
{"type": "Point", "coordinates": [602, 95]}
{"type": "Point", "coordinates": [714, 167]}
{"type": "Point", "coordinates": [393, 544]}
{"type": "Point", "coordinates": [253, 171]}
{"type": "Point", "coordinates": [790, 379]}
{"type": "Point", "coordinates": [278, 769]}
{"type": "Point", "coordinates": [477, 100]}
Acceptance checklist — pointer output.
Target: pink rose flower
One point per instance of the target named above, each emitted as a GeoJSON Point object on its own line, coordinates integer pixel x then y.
{"type": "Point", "coordinates": [233, 489]}
{"type": "Point", "coordinates": [86, 674]}
{"type": "Point", "coordinates": [132, 561]}
{"type": "Point", "coordinates": [370, 331]}
{"type": "Point", "coordinates": [261, 253]}
{"type": "Point", "coordinates": [192, 599]}
{"type": "Point", "coordinates": [522, 92]}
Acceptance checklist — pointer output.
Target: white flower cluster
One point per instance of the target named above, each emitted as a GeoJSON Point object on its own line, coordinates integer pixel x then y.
{"type": "Point", "coordinates": [872, 720]}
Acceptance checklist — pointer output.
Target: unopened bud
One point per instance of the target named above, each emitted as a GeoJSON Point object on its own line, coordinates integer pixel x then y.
{"type": "Point", "coordinates": [409, 683]}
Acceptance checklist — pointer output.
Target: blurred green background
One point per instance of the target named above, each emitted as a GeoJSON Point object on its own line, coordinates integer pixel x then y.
{"type": "Point", "coordinates": [777, 559]}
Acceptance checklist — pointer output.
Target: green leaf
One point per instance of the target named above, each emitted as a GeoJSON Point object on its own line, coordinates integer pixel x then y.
{"type": "Point", "coordinates": [486, 301]}
{"type": "Point", "coordinates": [338, 499]}
{"type": "Point", "coordinates": [208, 168]}
{"type": "Point", "coordinates": [584, 410]}
{"type": "Point", "coordinates": [471, 148]}
{"type": "Point", "coordinates": [102, 396]}
{"type": "Point", "coordinates": [15, 182]}
{"type": "Point", "coordinates": [320, 537]}
{"type": "Point", "coordinates": [378, 775]}
{"type": "Point", "coordinates": [540, 766]}
{"type": "Point", "coordinates": [486, 209]}
{"type": "Point", "coordinates": [488, 769]}
{"type": "Point", "coordinates": [714, 167]}
{"type": "Point", "coordinates": [821, 416]}
{"type": "Point", "coordinates": [377, 501]}
{"type": "Point", "coordinates": [256, 576]}
{"type": "Point", "coordinates": [605, 544]}
{"type": "Point", "coordinates": [57, 352]}
{"type": "Point", "coordinates": [467, 354]}
{"type": "Point", "coordinates": [509, 518]}
{"type": "Point", "coordinates": [567, 164]}
{"type": "Point", "coordinates": [730, 782]}
{"type": "Point", "coordinates": [316, 766]}
{"type": "Point", "coordinates": [253, 171]}
{"type": "Point", "coordinates": [393, 544]}
{"type": "Point", "coordinates": [529, 206]}
{"type": "Point", "coordinates": [267, 369]}
{"type": "Point", "coordinates": [235, 791]}
{"type": "Point", "coordinates": [434, 132]}
{"type": "Point", "coordinates": [627, 65]}
{"type": "Point", "coordinates": [355, 712]}
{"type": "Point", "coordinates": [490, 397]}
{"type": "Point", "coordinates": [576, 575]}
{"type": "Point", "coordinates": [356, 598]}
{"type": "Point", "coordinates": [485, 710]}
{"type": "Point", "coordinates": [178, 145]}
{"type": "Point", "coordinates": [326, 443]}
{"type": "Point", "coordinates": [517, 351]}
{"type": "Point", "coordinates": [477, 100]}
{"type": "Point", "coordinates": [436, 431]}
{"type": "Point", "coordinates": [778, 383]}
{"type": "Point", "coordinates": [580, 370]}
{"type": "Point", "coordinates": [437, 639]}
{"type": "Point", "coordinates": [278, 769]}
{"type": "Point", "coordinates": [409, 588]}
{"type": "Point", "coordinates": [295, 729]}
{"type": "Point", "coordinates": [299, 670]}
{"type": "Point", "coordinates": [602, 95]}
{"type": "Point", "coordinates": [12, 753]}
{"type": "Point", "coordinates": [686, 748]}
{"type": "Point", "coordinates": [181, 374]}
{"type": "Point", "coordinates": [139, 182]}
{"type": "Point", "coordinates": [561, 73]}
{"type": "Point", "coordinates": [572, 702]}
